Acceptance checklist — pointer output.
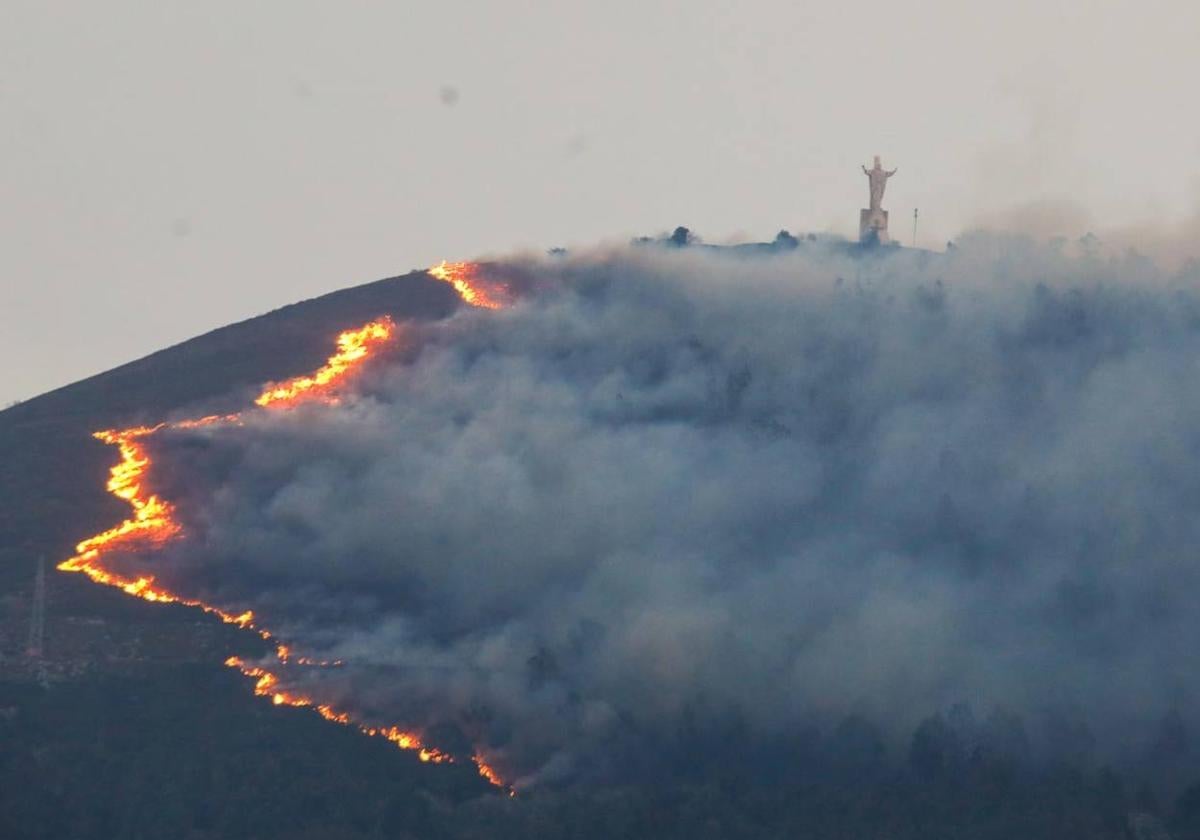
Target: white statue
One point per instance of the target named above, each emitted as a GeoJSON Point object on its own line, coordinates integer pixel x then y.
{"type": "Point", "coordinates": [878, 178]}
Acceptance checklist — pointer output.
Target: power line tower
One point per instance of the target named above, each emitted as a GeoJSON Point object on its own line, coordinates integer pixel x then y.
{"type": "Point", "coordinates": [37, 621]}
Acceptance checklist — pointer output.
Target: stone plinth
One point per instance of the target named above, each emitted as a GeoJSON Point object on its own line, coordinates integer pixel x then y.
{"type": "Point", "coordinates": [873, 226]}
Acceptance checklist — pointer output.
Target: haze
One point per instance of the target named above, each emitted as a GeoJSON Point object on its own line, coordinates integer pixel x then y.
{"type": "Point", "coordinates": [170, 167]}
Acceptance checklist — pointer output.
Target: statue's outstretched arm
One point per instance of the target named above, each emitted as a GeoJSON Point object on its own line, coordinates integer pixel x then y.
{"type": "Point", "coordinates": [866, 171]}
{"type": "Point", "coordinates": [893, 172]}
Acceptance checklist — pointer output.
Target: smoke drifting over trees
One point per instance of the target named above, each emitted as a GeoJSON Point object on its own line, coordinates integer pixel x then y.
{"type": "Point", "coordinates": [677, 501]}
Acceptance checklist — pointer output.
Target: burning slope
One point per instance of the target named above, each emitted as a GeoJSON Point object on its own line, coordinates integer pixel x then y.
{"type": "Point", "coordinates": [471, 287]}
{"type": "Point", "coordinates": [267, 685]}
{"type": "Point", "coordinates": [154, 524]}
{"type": "Point", "coordinates": [353, 347]}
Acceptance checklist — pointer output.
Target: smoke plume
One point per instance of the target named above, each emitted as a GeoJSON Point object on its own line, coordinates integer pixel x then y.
{"type": "Point", "coordinates": [683, 495]}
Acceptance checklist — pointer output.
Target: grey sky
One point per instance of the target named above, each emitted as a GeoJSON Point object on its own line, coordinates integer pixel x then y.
{"type": "Point", "coordinates": [170, 167]}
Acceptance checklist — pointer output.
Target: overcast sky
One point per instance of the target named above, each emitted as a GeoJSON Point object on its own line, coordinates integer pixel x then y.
{"type": "Point", "coordinates": [166, 168]}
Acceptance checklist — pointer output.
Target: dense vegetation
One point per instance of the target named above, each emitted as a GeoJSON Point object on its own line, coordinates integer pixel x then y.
{"type": "Point", "coordinates": [187, 752]}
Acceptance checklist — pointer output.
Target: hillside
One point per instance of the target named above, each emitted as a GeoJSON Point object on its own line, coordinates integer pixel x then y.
{"type": "Point", "coordinates": [53, 480]}
{"type": "Point", "coordinates": [142, 733]}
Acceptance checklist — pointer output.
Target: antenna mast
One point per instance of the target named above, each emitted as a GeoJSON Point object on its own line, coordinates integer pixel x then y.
{"type": "Point", "coordinates": [914, 242]}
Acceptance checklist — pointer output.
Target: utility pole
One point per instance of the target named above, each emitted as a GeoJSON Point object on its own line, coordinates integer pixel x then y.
{"type": "Point", "coordinates": [914, 242]}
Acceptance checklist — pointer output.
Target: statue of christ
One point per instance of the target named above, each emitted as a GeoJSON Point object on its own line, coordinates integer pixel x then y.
{"type": "Point", "coordinates": [878, 178]}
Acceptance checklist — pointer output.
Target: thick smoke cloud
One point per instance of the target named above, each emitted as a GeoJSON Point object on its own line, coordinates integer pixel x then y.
{"type": "Point", "coordinates": [679, 494]}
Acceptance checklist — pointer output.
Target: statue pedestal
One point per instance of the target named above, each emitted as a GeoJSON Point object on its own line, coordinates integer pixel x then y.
{"type": "Point", "coordinates": [873, 226]}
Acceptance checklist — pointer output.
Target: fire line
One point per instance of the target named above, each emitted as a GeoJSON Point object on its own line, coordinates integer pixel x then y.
{"type": "Point", "coordinates": [465, 278]}
{"type": "Point", "coordinates": [353, 347]}
{"type": "Point", "coordinates": [153, 522]}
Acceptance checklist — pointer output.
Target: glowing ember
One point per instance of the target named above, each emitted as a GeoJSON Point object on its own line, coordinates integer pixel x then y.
{"type": "Point", "coordinates": [153, 524]}
{"type": "Point", "coordinates": [464, 277]}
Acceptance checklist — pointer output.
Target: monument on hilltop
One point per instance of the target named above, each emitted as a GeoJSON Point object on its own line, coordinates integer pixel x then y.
{"type": "Point", "coordinates": [873, 221]}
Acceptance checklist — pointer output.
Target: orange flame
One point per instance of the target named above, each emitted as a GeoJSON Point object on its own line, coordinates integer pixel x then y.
{"type": "Point", "coordinates": [490, 774]}
{"type": "Point", "coordinates": [353, 347]}
{"type": "Point", "coordinates": [153, 524]}
{"type": "Point", "coordinates": [464, 277]}
{"type": "Point", "coordinates": [267, 685]}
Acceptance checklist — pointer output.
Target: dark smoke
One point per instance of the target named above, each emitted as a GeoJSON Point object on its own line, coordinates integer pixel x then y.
{"type": "Point", "coordinates": [678, 496]}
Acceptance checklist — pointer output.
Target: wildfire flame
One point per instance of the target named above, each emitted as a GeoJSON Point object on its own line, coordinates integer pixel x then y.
{"type": "Point", "coordinates": [353, 347]}
{"type": "Point", "coordinates": [464, 277]}
{"type": "Point", "coordinates": [267, 685]}
{"type": "Point", "coordinates": [153, 524]}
